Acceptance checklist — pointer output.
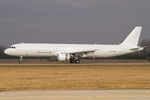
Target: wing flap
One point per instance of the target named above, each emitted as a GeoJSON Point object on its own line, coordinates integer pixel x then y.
{"type": "Point", "coordinates": [83, 52]}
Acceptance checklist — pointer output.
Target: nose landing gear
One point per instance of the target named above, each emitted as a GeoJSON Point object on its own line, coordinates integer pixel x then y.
{"type": "Point", "coordinates": [21, 59]}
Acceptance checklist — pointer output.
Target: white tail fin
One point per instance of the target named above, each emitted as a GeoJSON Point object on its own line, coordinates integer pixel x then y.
{"type": "Point", "coordinates": [133, 37]}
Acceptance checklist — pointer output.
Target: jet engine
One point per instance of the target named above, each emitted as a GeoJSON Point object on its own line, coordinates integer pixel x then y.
{"type": "Point", "coordinates": [63, 57]}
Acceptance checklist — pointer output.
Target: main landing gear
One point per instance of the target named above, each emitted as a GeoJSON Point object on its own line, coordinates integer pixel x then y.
{"type": "Point", "coordinates": [77, 61]}
{"type": "Point", "coordinates": [21, 59]}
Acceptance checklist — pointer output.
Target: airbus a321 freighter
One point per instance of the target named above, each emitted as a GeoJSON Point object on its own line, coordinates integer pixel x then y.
{"type": "Point", "coordinates": [73, 52]}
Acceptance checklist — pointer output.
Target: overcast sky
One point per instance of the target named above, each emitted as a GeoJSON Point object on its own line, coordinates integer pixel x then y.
{"type": "Point", "coordinates": [72, 21]}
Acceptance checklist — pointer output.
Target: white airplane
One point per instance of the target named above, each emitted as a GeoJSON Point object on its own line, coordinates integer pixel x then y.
{"type": "Point", "coordinates": [73, 52]}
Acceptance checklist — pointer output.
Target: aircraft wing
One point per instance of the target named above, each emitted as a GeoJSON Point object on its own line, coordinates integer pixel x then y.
{"type": "Point", "coordinates": [81, 53]}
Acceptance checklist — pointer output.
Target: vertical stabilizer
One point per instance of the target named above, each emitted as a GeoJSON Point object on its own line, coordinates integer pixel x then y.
{"type": "Point", "coordinates": [133, 37]}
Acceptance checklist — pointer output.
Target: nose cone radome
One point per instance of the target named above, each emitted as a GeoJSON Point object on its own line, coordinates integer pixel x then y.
{"type": "Point", "coordinates": [7, 52]}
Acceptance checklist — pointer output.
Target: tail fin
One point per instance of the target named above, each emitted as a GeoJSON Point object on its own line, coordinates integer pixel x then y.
{"type": "Point", "coordinates": [133, 37]}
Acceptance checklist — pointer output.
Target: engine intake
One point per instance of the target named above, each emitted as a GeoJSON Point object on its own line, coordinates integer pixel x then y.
{"type": "Point", "coordinates": [63, 57]}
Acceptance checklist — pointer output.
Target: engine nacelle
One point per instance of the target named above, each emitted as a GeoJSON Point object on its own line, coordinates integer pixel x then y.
{"type": "Point", "coordinates": [63, 57]}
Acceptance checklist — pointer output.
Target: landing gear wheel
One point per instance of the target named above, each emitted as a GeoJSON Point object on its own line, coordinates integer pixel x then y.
{"type": "Point", "coordinates": [72, 61]}
{"type": "Point", "coordinates": [77, 61]}
{"type": "Point", "coordinates": [20, 62]}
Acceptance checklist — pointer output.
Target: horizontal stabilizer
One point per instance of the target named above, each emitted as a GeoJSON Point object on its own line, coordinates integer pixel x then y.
{"type": "Point", "coordinates": [137, 49]}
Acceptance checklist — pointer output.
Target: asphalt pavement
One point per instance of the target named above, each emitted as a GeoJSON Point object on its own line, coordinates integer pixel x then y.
{"type": "Point", "coordinates": [77, 95]}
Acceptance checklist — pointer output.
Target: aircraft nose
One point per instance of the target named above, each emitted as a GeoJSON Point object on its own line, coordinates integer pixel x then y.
{"type": "Point", "coordinates": [7, 52]}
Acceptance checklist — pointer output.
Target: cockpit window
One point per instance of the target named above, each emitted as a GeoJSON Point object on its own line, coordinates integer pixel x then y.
{"type": "Point", "coordinates": [13, 47]}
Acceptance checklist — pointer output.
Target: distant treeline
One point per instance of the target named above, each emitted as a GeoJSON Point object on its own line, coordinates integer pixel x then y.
{"type": "Point", "coordinates": [145, 54]}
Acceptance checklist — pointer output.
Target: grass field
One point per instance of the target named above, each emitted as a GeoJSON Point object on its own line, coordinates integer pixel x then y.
{"type": "Point", "coordinates": [75, 77]}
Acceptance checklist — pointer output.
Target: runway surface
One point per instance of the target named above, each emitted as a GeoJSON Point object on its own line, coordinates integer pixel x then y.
{"type": "Point", "coordinates": [115, 64]}
{"type": "Point", "coordinates": [77, 95]}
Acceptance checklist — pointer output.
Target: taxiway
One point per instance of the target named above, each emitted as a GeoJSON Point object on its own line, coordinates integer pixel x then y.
{"type": "Point", "coordinates": [77, 95]}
